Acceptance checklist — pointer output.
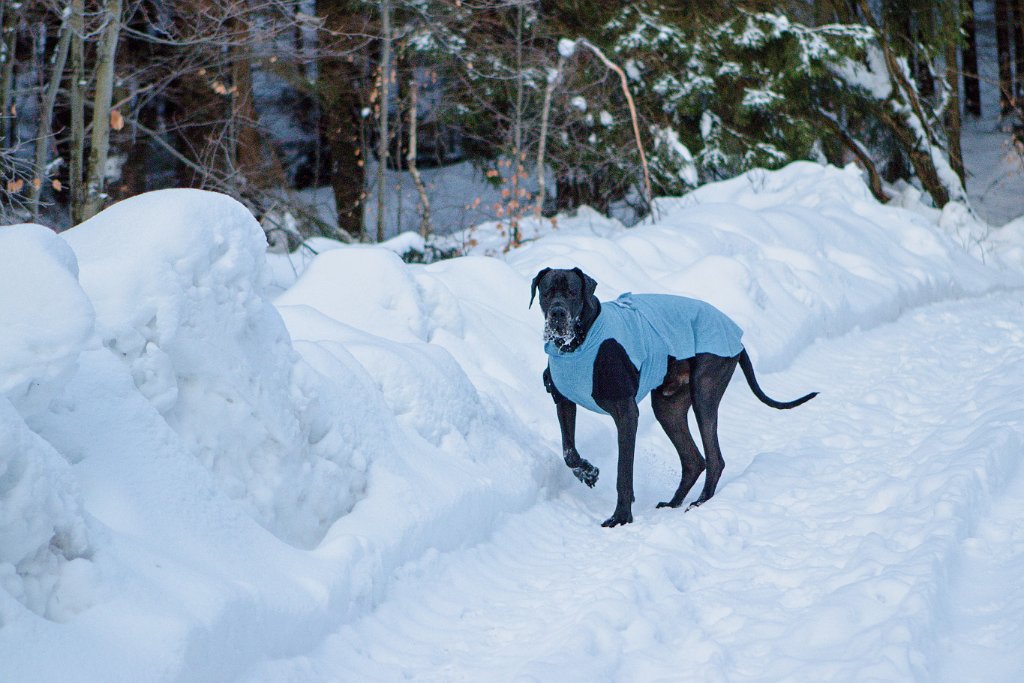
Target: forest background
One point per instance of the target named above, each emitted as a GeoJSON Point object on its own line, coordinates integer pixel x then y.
{"type": "Point", "coordinates": [314, 113]}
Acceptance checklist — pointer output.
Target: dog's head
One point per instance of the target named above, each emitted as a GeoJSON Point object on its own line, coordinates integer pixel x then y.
{"type": "Point", "coordinates": [569, 305]}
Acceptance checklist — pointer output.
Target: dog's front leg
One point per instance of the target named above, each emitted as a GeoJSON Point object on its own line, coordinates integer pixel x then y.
{"type": "Point", "coordinates": [625, 414]}
{"type": "Point", "coordinates": [581, 469]}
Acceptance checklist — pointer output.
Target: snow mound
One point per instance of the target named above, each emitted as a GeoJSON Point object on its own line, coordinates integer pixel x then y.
{"type": "Point", "coordinates": [204, 484]}
{"type": "Point", "coordinates": [176, 278]}
{"type": "Point", "coordinates": [46, 315]}
{"type": "Point", "coordinates": [44, 540]}
{"type": "Point", "coordinates": [47, 318]}
{"type": "Point", "coordinates": [366, 287]}
{"type": "Point", "coordinates": [791, 255]}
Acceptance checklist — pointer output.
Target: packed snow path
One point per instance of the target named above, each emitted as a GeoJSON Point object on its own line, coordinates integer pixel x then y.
{"type": "Point", "coordinates": [840, 545]}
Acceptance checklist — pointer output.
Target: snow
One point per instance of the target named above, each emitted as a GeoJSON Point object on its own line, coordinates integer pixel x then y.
{"type": "Point", "coordinates": [223, 465]}
{"type": "Point", "coordinates": [995, 178]}
{"type": "Point", "coordinates": [185, 315]}
{"type": "Point", "coordinates": [46, 315]}
{"type": "Point", "coordinates": [679, 154]}
{"type": "Point", "coordinates": [566, 48]}
{"type": "Point", "coordinates": [633, 69]}
{"type": "Point", "coordinates": [872, 77]}
{"type": "Point", "coordinates": [757, 98]}
{"type": "Point", "coordinates": [824, 556]}
{"type": "Point", "coordinates": [44, 538]}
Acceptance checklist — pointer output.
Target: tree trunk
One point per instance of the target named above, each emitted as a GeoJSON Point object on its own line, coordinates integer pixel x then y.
{"type": "Point", "coordinates": [920, 159]}
{"type": "Point", "coordinates": [411, 159]}
{"type": "Point", "coordinates": [46, 105]}
{"type": "Point", "coordinates": [1003, 56]}
{"type": "Point", "coordinates": [956, 159]}
{"type": "Point", "coordinates": [99, 143]}
{"type": "Point", "coordinates": [253, 157]}
{"type": "Point", "coordinates": [340, 129]}
{"type": "Point", "coordinates": [972, 86]}
{"type": "Point", "coordinates": [514, 238]}
{"type": "Point", "coordinates": [340, 87]}
{"type": "Point", "coordinates": [396, 153]}
{"type": "Point", "coordinates": [76, 164]}
{"type": "Point", "coordinates": [874, 179]}
{"type": "Point", "coordinates": [910, 128]}
{"type": "Point", "coordinates": [138, 149]}
{"type": "Point", "coordinates": [385, 102]}
{"type": "Point", "coordinates": [921, 68]}
{"type": "Point", "coordinates": [8, 44]}
{"type": "Point", "coordinates": [1018, 50]}
{"type": "Point", "coordinates": [545, 113]}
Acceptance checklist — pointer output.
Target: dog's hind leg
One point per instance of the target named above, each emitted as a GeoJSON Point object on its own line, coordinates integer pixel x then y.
{"type": "Point", "coordinates": [671, 403]}
{"type": "Point", "coordinates": [710, 377]}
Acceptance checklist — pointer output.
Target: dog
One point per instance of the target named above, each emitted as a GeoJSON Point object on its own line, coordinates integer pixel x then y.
{"type": "Point", "coordinates": [608, 356]}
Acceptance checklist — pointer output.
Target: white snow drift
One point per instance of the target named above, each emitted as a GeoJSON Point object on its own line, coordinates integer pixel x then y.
{"type": "Point", "coordinates": [197, 483]}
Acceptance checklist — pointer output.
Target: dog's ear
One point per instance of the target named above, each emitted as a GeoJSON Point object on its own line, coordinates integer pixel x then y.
{"type": "Point", "coordinates": [589, 284]}
{"type": "Point", "coordinates": [536, 281]}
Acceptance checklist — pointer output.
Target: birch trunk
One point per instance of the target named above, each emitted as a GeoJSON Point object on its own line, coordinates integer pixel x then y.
{"type": "Point", "coordinates": [76, 164]}
{"type": "Point", "coordinates": [49, 99]}
{"type": "Point", "coordinates": [8, 42]}
{"type": "Point", "coordinates": [99, 143]}
{"type": "Point", "coordinates": [1017, 12]}
{"type": "Point", "coordinates": [385, 102]}
{"type": "Point", "coordinates": [411, 160]}
{"type": "Point", "coordinates": [545, 114]}
{"type": "Point", "coordinates": [517, 137]}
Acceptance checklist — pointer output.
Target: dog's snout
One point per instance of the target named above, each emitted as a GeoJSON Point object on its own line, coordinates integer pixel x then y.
{"type": "Point", "coordinates": [558, 313]}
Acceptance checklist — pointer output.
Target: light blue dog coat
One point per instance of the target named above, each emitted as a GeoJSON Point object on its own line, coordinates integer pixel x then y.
{"type": "Point", "coordinates": [650, 327]}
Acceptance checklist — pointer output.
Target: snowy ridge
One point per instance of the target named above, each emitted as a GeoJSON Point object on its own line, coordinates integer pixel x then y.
{"type": "Point", "coordinates": [261, 492]}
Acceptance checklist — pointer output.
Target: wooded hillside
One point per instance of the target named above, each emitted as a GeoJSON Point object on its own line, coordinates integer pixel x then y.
{"type": "Point", "coordinates": [555, 103]}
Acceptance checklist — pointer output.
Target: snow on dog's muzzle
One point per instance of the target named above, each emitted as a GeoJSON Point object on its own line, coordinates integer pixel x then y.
{"type": "Point", "coordinates": [560, 328]}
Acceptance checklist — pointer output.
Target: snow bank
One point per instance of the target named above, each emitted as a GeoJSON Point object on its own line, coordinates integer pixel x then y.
{"type": "Point", "coordinates": [163, 415]}
{"type": "Point", "coordinates": [176, 279]}
{"type": "Point", "coordinates": [46, 320]}
{"type": "Point", "coordinates": [791, 255]}
{"type": "Point", "coordinates": [410, 348]}
{"type": "Point", "coordinates": [813, 254]}
{"type": "Point", "coordinates": [167, 285]}
{"type": "Point", "coordinates": [46, 315]}
{"type": "Point", "coordinates": [44, 539]}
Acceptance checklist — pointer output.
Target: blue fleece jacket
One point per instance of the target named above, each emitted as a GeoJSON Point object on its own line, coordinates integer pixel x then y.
{"type": "Point", "coordinates": [650, 327]}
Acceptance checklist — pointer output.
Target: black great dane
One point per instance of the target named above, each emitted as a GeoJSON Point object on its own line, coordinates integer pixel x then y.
{"type": "Point", "coordinates": [607, 357]}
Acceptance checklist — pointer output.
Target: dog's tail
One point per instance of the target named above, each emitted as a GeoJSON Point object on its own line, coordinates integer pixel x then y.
{"type": "Point", "coordinates": [748, 372]}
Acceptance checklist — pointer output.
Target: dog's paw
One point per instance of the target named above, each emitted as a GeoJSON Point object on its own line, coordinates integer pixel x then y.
{"type": "Point", "coordinates": [669, 504]}
{"type": "Point", "coordinates": [586, 473]}
{"type": "Point", "coordinates": [617, 519]}
{"type": "Point", "coordinates": [695, 504]}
